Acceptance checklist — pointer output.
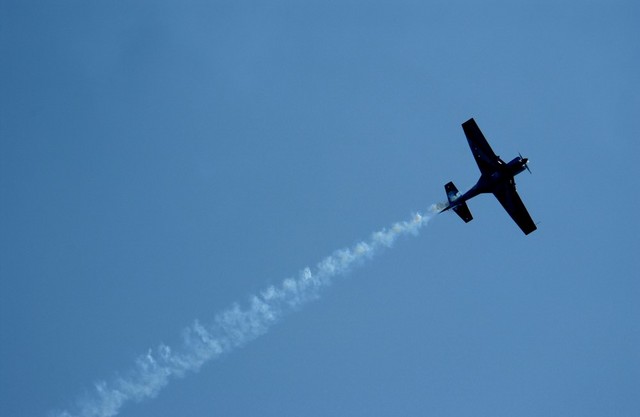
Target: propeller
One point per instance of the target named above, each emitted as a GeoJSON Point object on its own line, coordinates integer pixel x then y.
{"type": "Point", "coordinates": [526, 162]}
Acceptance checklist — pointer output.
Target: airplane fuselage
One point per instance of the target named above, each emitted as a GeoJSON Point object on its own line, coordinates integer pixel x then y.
{"type": "Point", "coordinates": [491, 181]}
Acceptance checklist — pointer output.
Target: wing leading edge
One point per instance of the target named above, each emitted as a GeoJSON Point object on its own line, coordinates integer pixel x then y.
{"type": "Point", "coordinates": [486, 159]}
{"type": "Point", "coordinates": [510, 200]}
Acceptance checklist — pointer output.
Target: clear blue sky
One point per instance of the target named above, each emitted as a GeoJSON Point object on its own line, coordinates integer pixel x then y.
{"type": "Point", "coordinates": [160, 161]}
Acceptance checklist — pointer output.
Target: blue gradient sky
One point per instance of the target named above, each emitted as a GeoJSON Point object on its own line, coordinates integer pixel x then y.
{"type": "Point", "coordinates": [160, 161]}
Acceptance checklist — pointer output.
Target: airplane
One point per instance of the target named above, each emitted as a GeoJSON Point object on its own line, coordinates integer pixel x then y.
{"type": "Point", "coordinates": [496, 178]}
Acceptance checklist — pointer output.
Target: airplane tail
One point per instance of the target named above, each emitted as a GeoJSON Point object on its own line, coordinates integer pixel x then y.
{"type": "Point", "coordinates": [461, 209]}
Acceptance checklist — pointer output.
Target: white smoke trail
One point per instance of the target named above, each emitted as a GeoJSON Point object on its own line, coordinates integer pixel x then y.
{"type": "Point", "coordinates": [233, 327]}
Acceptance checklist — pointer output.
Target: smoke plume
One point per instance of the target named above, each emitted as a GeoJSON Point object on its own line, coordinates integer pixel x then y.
{"type": "Point", "coordinates": [232, 328]}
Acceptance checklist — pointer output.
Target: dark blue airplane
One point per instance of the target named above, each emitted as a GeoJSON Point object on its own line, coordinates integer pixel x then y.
{"type": "Point", "coordinates": [496, 178]}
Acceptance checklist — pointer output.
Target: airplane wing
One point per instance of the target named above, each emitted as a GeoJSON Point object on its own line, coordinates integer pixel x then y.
{"type": "Point", "coordinates": [486, 159]}
{"type": "Point", "coordinates": [510, 200]}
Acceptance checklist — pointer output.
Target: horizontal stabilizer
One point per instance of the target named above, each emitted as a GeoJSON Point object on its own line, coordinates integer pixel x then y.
{"type": "Point", "coordinates": [452, 191]}
{"type": "Point", "coordinates": [462, 210]}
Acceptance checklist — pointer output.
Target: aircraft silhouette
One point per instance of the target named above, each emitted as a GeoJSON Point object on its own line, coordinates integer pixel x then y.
{"type": "Point", "coordinates": [496, 178]}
